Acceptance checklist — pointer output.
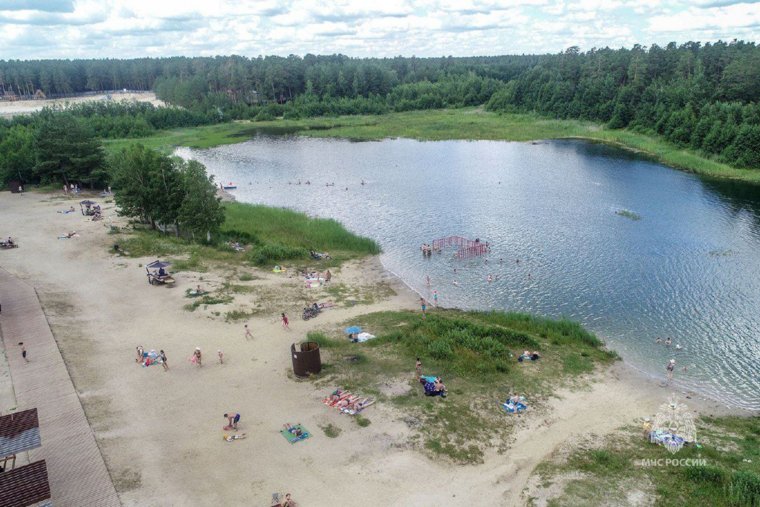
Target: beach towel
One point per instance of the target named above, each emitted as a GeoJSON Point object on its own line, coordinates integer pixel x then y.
{"type": "Point", "coordinates": [363, 337]}
{"type": "Point", "coordinates": [292, 438]}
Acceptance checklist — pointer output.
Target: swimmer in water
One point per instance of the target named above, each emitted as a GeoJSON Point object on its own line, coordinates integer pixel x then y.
{"type": "Point", "coordinates": [489, 278]}
{"type": "Point", "coordinates": [678, 346]}
{"type": "Point", "coordinates": [455, 283]}
{"type": "Point", "coordinates": [667, 342]}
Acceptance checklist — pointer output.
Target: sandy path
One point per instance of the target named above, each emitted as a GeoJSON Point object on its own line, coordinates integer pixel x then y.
{"type": "Point", "coordinates": [161, 432]}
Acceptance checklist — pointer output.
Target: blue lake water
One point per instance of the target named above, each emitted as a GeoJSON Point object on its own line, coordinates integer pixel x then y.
{"type": "Point", "coordinates": [688, 269]}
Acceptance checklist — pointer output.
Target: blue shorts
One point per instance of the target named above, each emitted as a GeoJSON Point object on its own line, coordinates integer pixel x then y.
{"type": "Point", "coordinates": [237, 418]}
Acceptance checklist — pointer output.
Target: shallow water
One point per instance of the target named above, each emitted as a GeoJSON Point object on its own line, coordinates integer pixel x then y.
{"type": "Point", "coordinates": [688, 269]}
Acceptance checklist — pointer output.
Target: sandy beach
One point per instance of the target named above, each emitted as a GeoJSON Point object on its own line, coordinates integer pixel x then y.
{"type": "Point", "coordinates": [161, 432]}
{"type": "Point", "coordinates": [9, 109]}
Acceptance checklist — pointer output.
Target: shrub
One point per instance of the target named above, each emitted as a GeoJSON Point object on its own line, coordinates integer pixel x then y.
{"type": "Point", "coordinates": [744, 489]}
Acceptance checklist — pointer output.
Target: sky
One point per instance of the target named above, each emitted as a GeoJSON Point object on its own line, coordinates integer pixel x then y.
{"type": "Point", "coordinates": [34, 29]}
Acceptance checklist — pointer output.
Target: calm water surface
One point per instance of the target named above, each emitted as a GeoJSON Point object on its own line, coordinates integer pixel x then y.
{"type": "Point", "coordinates": [689, 269]}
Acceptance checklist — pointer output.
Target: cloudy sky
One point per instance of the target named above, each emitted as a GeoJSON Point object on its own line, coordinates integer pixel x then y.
{"type": "Point", "coordinates": [31, 29]}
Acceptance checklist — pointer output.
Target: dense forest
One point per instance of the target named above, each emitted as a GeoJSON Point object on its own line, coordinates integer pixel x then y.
{"type": "Point", "coordinates": [702, 97]}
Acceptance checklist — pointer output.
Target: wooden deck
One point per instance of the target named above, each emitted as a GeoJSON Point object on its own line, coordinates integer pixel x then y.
{"type": "Point", "coordinates": [76, 469]}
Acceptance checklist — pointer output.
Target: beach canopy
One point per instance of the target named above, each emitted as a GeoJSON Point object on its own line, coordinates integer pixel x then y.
{"type": "Point", "coordinates": [159, 264]}
{"type": "Point", "coordinates": [87, 202]}
{"type": "Point", "coordinates": [353, 330]}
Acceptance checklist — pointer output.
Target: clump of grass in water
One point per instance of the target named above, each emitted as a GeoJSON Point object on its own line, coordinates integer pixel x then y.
{"type": "Point", "coordinates": [628, 214]}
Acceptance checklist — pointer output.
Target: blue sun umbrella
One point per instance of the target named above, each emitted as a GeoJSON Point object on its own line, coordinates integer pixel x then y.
{"type": "Point", "coordinates": [353, 330]}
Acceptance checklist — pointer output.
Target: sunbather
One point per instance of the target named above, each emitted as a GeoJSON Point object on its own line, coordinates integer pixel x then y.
{"type": "Point", "coordinates": [68, 235]}
{"type": "Point", "coordinates": [294, 430]}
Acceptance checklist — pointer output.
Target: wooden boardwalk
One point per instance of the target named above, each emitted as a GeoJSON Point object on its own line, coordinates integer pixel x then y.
{"type": "Point", "coordinates": [77, 473]}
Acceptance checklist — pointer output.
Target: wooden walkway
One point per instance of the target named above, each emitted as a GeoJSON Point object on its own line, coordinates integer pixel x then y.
{"type": "Point", "coordinates": [77, 473]}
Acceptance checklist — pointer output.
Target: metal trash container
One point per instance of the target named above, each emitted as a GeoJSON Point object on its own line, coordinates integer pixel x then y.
{"type": "Point", "coordinates": [306, 361]}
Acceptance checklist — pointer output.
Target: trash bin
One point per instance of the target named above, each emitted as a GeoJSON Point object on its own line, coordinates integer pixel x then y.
{"type": "Point", "coordinates": [306, 359]}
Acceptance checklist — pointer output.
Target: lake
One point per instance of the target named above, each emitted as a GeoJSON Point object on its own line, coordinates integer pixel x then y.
{"type": "Point", "coordinates": [682, 261]}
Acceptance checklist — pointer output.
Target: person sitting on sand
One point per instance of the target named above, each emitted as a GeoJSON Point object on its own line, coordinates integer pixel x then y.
{"type": "Point", "coordinates": [438, 385]}
{"type": "Point", "coordinates": [161, 271]}
{"type": "Point", "coordinates": [288, 502]}
{"type": "Point", "coordinates": [534, 356]}
{"type": "Point", "coordinates": [197, 356]}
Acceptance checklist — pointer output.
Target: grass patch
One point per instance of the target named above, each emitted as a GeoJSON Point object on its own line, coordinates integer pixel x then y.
{"type": "Point", "coordinates": [729, 476]}
{"type": "Point", "coordinates": [278, 234]}
{"type": "Point", "coordinates": [628, 214]}
{"type": "Point", "coordinates": [246, 277]}
{"type": "Point", "coordinates": [274, 235]}
{"type": "Point", "coordinates": [331, 431]}
{"type": "Point", "coordinates": [363, 422]}
{"type": "Point", "coordinates": [476, 354]}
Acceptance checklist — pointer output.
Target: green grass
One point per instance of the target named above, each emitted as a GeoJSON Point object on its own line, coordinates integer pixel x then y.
{"type": "Point", "coordinates": [444, 124]}
{"type": "Point", "coordinates": [331, 431]}
{"type": "Point", "coordinates": [278, 234]}
{"type": "Point", "coordinates": [273, 235]}
{"type": "Point", "coordinates": [628, 214]}
{"type": "Point", "coordinates": [475, 353]}
{"type": "Point", "coordinates": [729, 477]}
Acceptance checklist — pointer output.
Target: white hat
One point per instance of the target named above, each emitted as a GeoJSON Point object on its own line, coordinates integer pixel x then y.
{"type": "Point", "coordinates": [197, 348]}
{"type": "Point", "coordinates": [672, 360]}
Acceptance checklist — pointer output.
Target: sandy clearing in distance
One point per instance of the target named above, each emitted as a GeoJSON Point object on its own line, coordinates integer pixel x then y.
{"type": "Point", "coordinates": [161, 433]}
{"type": "Point", "coordinates": [9, 109]}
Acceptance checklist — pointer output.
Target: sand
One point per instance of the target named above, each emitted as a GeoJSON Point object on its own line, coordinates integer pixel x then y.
{"type": "Point", "coordinates": [9, 109]}
{"type": "Point", "coordinates": [161, 432]}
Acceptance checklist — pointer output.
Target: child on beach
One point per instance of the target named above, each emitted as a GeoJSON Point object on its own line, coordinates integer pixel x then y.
{"type": "Point", "coordinates": [197, 358]}
{"type": "Point", "coordinates": [418, 369]}
{"type": "Point", "coordinates": [248, 335]}
{"type": "Point", "coordinates": [23, 351]}
{"type": "Point", "coordinates": [435, 298]}
{"type": "Point", "coordinates": [285, 322]}
{"type": "Point", "coordinates": [139, 357]}
{"type": "Point", "coordinates": [423, 305]}
{"type": "Point", "coordinates": [221, 356]}
{"type": "Point", "coordinates": [163, 360]}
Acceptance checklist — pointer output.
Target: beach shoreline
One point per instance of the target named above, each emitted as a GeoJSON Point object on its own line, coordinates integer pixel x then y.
{"type": "Point", "coordinates": [162, 430]}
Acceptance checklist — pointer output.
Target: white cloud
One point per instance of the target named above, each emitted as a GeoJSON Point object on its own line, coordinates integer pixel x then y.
{"type": "Point", "coordinates": [132, 28]}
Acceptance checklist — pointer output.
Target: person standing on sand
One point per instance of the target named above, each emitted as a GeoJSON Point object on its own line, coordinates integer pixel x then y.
{"type": "Point", "coordinates": [23, 351]}
{"type": "Point", "coordinates": [140, 351]}
{"type": "Point", "coordinates": [423, 305]}
{"type": "Point", "coordinates": [163, 360]}
{"type": "Point", "coordinates": [285, 323]}
{"type": "Point", "coordinates": [197, 356]}
{"type": "Point", "coordinates": [670, 367]}
{"type": "Point", "coordinates": [435, 298]}
{"type": "Point", "coordinates": [248, 335]}
{"type": "Point", "coordinates": [427, 280]}
{"type": "Point", "coordinates": [221, 356]}
{"type": "Point", "coordinates": [418, 369]}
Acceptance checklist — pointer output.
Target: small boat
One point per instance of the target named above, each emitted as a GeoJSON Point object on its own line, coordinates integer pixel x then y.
{"type": "Point", "coordinates": [229, 186]}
